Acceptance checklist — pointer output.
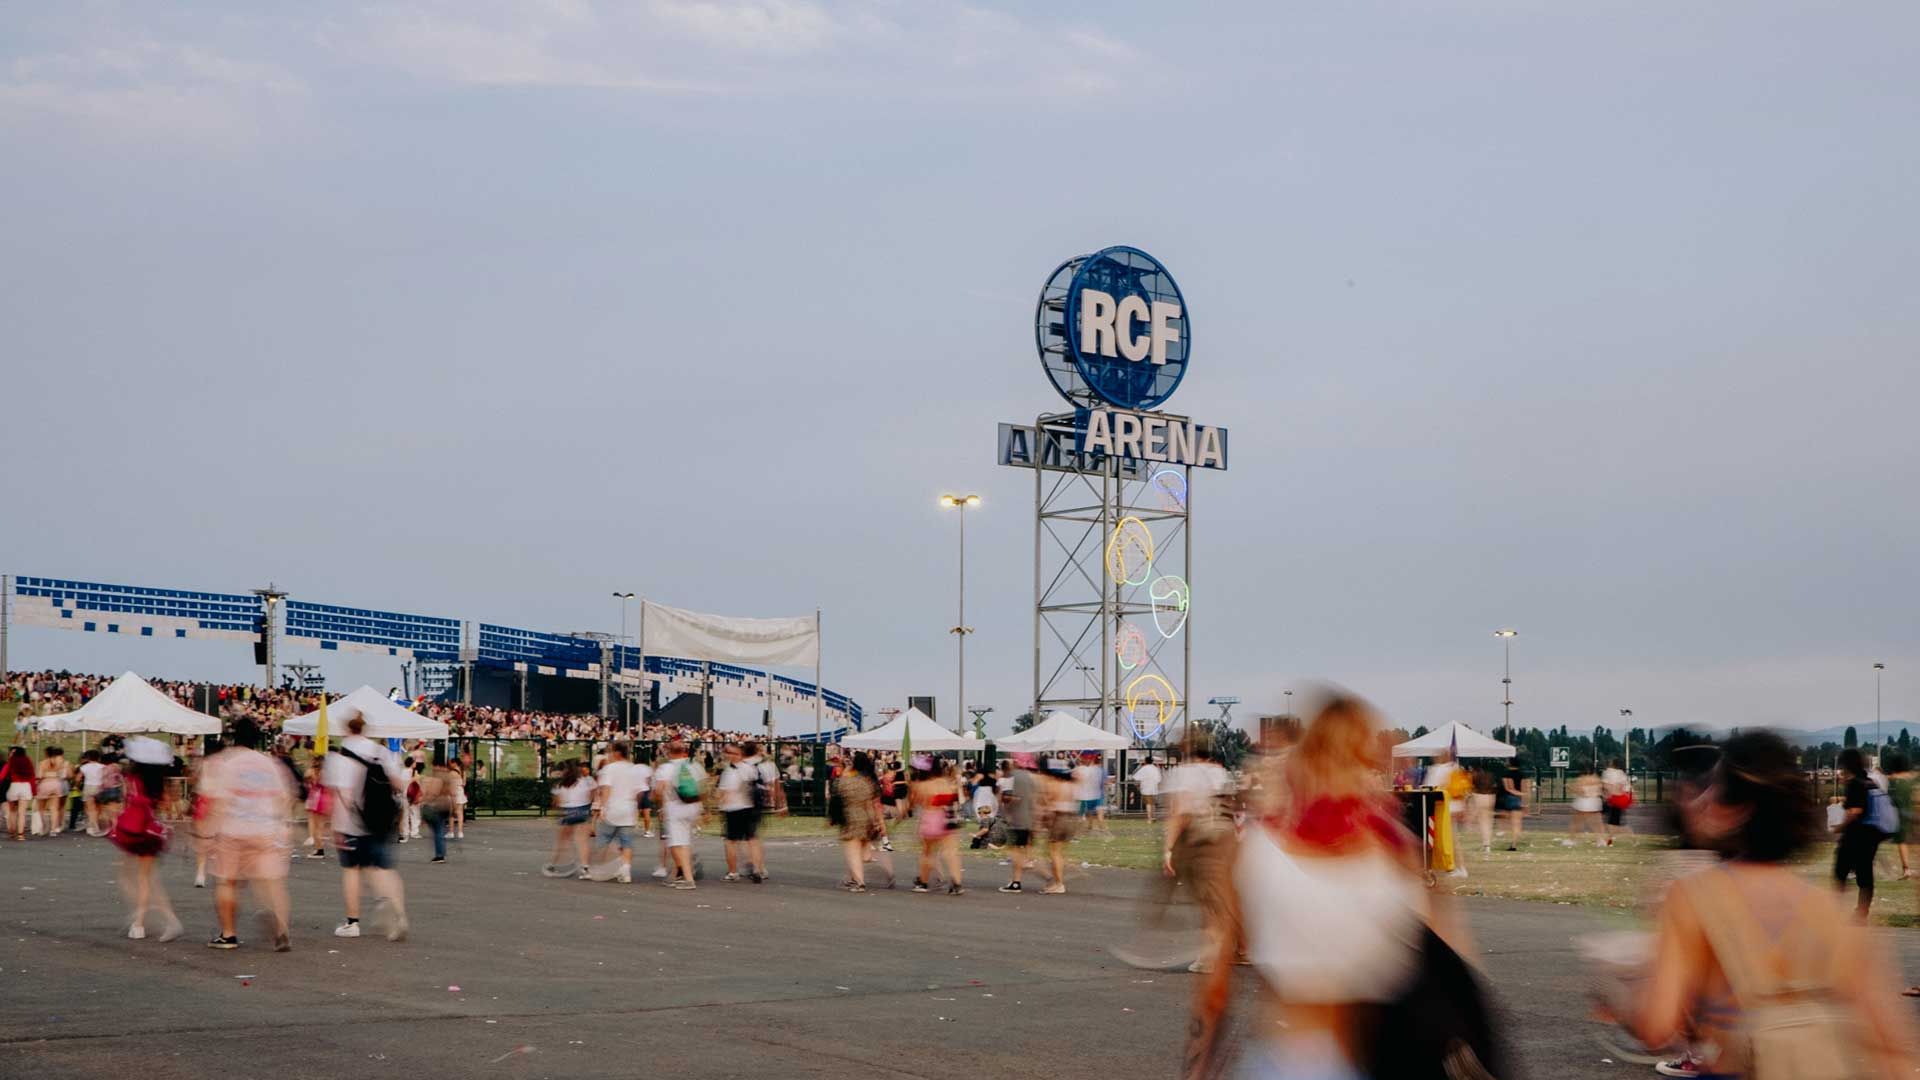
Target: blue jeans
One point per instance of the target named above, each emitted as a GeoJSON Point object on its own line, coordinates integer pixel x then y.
{"type": "Point", "coordinates": [437, 824]}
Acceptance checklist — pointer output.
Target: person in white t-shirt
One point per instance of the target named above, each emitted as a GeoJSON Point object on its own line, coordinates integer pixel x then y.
{"type": "Point", "coordinates": [1616, 792]}
{"type": "Point", "coordinates": [679, 813]}
{"type": "Point", "coordinates": [573, 797]}
{"type": "Point", "coordinates": [744, 786]}
{"type": "Point", "coordinates": [619, 797]}
{"type": "Point", "coordinates": [1147, 778]}
{"type": "Point", "coordinates": [91, 770]}
{"type": "Point", "coordinates": [359, 847]}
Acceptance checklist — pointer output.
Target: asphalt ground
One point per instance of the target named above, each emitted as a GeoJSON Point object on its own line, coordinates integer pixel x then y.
{"type": "Point", "coordinates": [509, 974]}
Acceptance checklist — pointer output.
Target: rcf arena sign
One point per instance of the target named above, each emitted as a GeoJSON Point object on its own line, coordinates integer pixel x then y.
{"type": "Point", "coordinates": [1114, 339]}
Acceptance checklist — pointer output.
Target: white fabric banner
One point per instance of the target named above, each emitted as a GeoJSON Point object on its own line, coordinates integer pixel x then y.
{"type": "Point", "coordinates": [694, 636]}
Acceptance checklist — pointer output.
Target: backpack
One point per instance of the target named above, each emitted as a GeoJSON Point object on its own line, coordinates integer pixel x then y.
{"type": "Point", "coordinates": [1881, 813]}
{"type": "Point", "coordinates": [763, 787]}
{"type": "Point", "coordinates": [1792, 1026]}
{"type": "Point", "coordinates": [379, 810]}
{"type": "Point", "coordinates": [686, 785]}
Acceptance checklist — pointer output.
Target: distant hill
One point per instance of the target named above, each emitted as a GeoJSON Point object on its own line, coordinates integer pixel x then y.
{"type": "Point", "coordinates": [1890, 730]}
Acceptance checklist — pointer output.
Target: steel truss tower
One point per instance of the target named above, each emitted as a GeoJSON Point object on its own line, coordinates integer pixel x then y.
{"type": "Point", "coordinates": [1100, 598]}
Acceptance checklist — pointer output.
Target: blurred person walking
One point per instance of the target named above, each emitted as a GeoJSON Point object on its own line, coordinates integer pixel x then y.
{"type": "Point", "coordinates": [1062, 806]}
{"type": "Point", "coordinates": [1616, 794]}
{"type": "Point", "coordinates": [854, 805]}
{"type": "Point", "coordinates": [142, 837]}
{"type": "Point", "coordinates": [1587, 804]}
{"type": "Point", "coordinates": [1019, 805]}
{"type": "Point", "coordinates": [437, 807]}
{"type": "Point", "coordinates": [936, 797]}
{"type": "Point", "coordinates": [1480, 804]}
{"type": "Point", "coordinates": [620, 787]}
{"type": "Point", "coordinates": [248, 798]}
{"type": "Point", "coordinates": [364, 784]}
{"type": "Point", "coordinates": [747, 790]}
{"type": "Point", "coordinates": [1765, 973]}
{"type": "Point", "coordinates": [678, 787]}
{"type": "Point", "coordinates": [319, 811]}
{"type": "Point", "coordinates": [18, 777]}
{"type": "Point", "coordinates": [54, 776]}
{"type": "Point", "coordinates": [459, 771]}
{"type": "Point", "coordinates": [92, 771]}
{"type": "Point", "coordinates": [1090, 786]}
{"type": "Point", "coordinates": [1328, 905]}
{"type": "Point", "coordinates": [1147, 778]}
{"type": "Point", "coordinates": [1200, 842]}
{"type": "Point", "coordinates": [1511, 800]}
{"type": "Point", "coordinates": [1860, 836]}
{"type": "Point", "coordinates": [573, 798]}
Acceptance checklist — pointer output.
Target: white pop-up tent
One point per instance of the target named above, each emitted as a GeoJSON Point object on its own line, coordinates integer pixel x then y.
{"type": "Point", "coordinates": [1453, 738]}
{"type": "Point", "coordinates": [385, 720]}
{"type": "Point", "coordinates": [923, 732]}
{"type": "Point", "coordinates": [1063, 731]}
{"type": "Point", "coordinates": [129, 706]}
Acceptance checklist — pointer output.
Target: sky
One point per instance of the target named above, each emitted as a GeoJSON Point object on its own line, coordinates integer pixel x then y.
{"type": "Point", "coordinates": [1594, 320]}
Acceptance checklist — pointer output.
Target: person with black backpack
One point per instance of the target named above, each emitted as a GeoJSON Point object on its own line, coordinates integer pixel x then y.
{"type": "Point", "coordinates": [366, 785]}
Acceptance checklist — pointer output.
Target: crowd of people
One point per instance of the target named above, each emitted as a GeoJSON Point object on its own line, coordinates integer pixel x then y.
{"type": "Point", "coordinates": [42, 693]}
{"type": "Point", "coordinates": [1309, 880]}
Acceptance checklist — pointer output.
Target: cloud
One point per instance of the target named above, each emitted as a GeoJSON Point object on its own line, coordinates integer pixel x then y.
{"type": "Point", "coordinates": [212, 78]}
{"type": "Point", "coordinates": [150, 88]}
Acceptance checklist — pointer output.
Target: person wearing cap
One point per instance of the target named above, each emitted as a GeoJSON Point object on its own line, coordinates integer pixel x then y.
{"type": "Point", "coordinates": [1018, 805]}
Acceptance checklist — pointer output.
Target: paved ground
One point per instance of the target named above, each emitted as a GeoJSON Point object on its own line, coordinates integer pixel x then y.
{"type": "Point", "coordinates": [512, 975]}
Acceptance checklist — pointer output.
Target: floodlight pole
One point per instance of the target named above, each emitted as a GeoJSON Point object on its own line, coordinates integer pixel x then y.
{"type": "Point", "coordinates": [269, 597]}
{"type": "Point", "coordinates": [1878, 668]}
{"type": "Point", "coordinates": [6, 614]}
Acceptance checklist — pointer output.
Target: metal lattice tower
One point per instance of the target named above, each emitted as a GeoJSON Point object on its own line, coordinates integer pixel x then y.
{"type": "Point", "coordinates": [1099, 601]}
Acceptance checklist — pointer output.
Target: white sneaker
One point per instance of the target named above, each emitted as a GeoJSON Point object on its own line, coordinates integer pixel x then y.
{"type": "Point", "coordinates": [398, 931]}
{"type": "Point", "coordinates": [137, 932]}
{"type": "Point", "coordinates": [731, 877]}
{"type": "Point", "coordinates": [648, 835]}
{"type": "Point", "coordinates": [660, 871]}
{"type": "Point", "coordinates": [347, 929]}
{"type": "Point", "coordinates": [624, 877]}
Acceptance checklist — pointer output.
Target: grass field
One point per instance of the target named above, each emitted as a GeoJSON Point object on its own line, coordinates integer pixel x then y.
{"type": "Point", "coordinates": [1545, 869]}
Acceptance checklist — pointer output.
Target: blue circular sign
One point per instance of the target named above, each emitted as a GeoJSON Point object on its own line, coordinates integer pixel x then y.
{"type": "Point", "coordinates": [1113, 328]}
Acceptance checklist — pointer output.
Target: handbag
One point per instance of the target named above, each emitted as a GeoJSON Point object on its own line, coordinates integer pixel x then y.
{"type": "Point", "coordinates": [1440, 1027]}
{"type": "Point", "coordinates": [1620, 800]}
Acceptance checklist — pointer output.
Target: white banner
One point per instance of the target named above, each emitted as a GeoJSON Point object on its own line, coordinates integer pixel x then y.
{"type": "Point", "coordinates": [694, 636]}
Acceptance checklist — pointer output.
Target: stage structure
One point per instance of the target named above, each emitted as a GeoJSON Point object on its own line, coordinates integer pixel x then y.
{"type": "Point", "coordinates": [1113, 488]}
{"type": "Point", "coordinates": [478, 663]}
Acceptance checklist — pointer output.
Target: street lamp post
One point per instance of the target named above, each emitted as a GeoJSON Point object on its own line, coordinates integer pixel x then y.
{"type": "Point", "coordinates": [1626, 717]}
{"type": "Point", "coordinates": [1506, 679]}
{"type": "Point", "coordinates": [626, 699]}
{"type": "Point", "coordinates": [1877, 669]}
{"type": "Point", "coordinates": [1289, 694]}
{"type": "Point", "coordinates": [961, 630]}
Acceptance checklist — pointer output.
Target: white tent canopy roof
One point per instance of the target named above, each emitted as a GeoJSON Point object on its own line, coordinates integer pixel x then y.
{"type": "Point", "coordinates": [1063, 731]}
{"type": "Point", "coordinates": [385, 720]}
{"type": "Point", "coordinates": [130, 706]}
{"type": "Point", "coordinates": [1457, 739]}
{"type": "Point", "coordinates": [926, 735]}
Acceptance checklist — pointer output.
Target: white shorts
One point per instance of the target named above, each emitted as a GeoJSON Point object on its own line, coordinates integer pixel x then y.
{"type": "Point", "coordinates": [679, 831]}
{"type": "Point", "coordinates": [19, 791]}
{"type": "Point", "coordinates": [1586, 805]}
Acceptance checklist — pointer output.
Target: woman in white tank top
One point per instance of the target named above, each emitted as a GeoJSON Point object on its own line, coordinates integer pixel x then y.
{"type": "Point", "coordinates": [1330, 908]}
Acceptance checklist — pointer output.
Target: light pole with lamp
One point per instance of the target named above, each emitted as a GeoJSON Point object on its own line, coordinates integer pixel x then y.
{"type": "Point", "coordinates": [962, 502]}
{"type": "Point", "coordinates": [1289, 694]}
{"type": "Point", "coordinates": [1878, 667]}
{"type": "Point", "coordinates": [1626, 717]}
{"type": "Point", "coordinates": [626, 699]}
{"type": "Point", "coordinates": [1506, 679]}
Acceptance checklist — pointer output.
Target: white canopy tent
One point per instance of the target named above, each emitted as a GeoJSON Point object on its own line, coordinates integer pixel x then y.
{"type": "Point", "coordinates": [385, 720]}
{"type": "Point", "coordinates": [1063, 731]}
{"type": "Point", "coordinates": [925, 735]}
{"type": "Point", "coordinates": [1454, 738]}
{"type": "Point", "coordinates": [129, 706]}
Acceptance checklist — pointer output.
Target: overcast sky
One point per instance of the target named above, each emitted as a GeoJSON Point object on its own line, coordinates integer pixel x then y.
{"type": "Point", "coordinates": [1596, 320]}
